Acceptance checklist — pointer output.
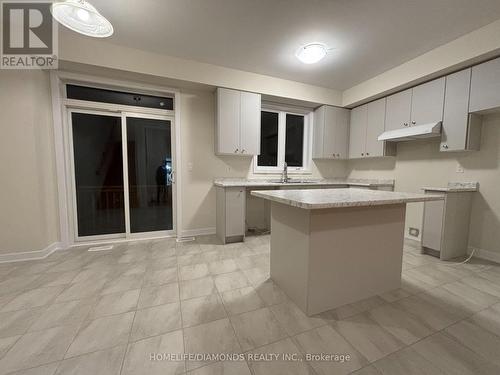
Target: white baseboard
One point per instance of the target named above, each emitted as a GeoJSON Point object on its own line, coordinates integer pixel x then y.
{"type": "Point", "coordinates": [414, 241]}
{"type": "Point", "coordinates": [485, 254]}
{"type": "Point", "coordinates": [197, 232]}
{"type": "Point", "coordinates": [30, 255]}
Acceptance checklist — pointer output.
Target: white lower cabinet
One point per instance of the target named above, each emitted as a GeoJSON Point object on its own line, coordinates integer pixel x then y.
{"type": "Point", "coordinates": [445, 230]}
{"type": "Point", "coordinates": [230, 215]}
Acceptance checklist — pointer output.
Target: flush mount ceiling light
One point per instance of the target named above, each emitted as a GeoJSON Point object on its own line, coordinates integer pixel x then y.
{"type": "Point", "coordinates": [311, 53]}
{"type": "Point", "coordinates": [82, 17]}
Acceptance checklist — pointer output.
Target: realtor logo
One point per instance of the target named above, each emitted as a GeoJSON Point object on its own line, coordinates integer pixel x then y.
{"type": "Point", "coordinates": [29, 35]}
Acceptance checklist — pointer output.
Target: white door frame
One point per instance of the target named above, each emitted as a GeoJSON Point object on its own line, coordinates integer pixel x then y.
{"type": "Point", "coordinates": [60, 105]}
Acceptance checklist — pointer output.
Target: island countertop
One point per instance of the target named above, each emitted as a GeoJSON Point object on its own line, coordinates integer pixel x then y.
{"type": "Point", "coordinates": [334, 198]}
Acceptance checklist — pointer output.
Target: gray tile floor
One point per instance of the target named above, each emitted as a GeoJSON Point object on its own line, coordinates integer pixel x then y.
{"type": "Point", "coordinates": [80, 312]}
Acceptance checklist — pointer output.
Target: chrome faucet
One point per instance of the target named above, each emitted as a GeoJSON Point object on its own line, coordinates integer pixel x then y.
{"type": "Point", "coordinates": [284, 176]}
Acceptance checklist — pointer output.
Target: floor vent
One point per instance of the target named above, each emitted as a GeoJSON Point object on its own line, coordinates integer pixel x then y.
{"type": "Point", "coordinates": [185, 239]}
{"type": "Point", "coordinates": [101, 248]}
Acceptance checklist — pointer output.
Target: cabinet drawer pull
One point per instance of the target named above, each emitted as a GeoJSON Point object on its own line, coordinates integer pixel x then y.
{"type": "Point", "coordinates": [445, 146]}
{"type": "Point", "coordinates": [413, 122]}
{"type": "Point", "coordinates": [235, 151]}
{"type": "Point", "coordinates": [405, 124]}
{"type": "Point", "coordinates": [243, 151]}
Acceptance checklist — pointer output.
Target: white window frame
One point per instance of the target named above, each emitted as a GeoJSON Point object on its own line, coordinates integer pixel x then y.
{"type": "Point", "coordinates": [307, 144]}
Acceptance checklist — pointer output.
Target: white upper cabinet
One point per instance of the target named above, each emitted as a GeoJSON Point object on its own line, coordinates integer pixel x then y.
{"type": "Point", "coordinates": [331, 133]}
{"type": "Point", "coordinates": [238, 123]}
{"type": "Point", "coordinates": [250, 123]}
{"type": "Point", "coordinates": [416, 106]}
{"type": "Point", "coordinates": [427, 102]}
{"type": "Point", "coordinates": [485, 86]}
{"type": "Point", "coordinates": [367, 123]}
{"type": "Point", "coordinates": [341, 138]}
{"type": "Point", "coordinates": [374, 127]}
{"type": "Point", "coordinates": [228, 121]}
{"type": "Point", "coordinates": [461, 130]}
{"type": "Point", "coordinates": [398, 110]}
{"type": "Point", "coordinates": [357, 136]}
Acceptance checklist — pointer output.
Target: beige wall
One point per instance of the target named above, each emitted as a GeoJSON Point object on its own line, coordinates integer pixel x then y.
{"type": "Point", "coordinates": [466, 50]}
{"type": "Point", "coordinates": [420, 164]}
{"type": "Point", "coordinates": [29, 213]}
{"type": "Point", "coordinates": [75, 49]}
{"type": "Point", "coordinates": [28, 196]}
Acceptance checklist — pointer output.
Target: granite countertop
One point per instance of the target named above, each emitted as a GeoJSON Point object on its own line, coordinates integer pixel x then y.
{"type": "Point", "coordinates": [242, 182]}
{"type": "Point", "coordinates": [455, 187]}
{"type": "Point", "coordinates": [332, 198]}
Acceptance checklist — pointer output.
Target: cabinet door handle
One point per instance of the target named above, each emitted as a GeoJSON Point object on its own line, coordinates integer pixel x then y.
{"type": "Point", "coordinates": [413, 122]}
{"type": "Point", "coordinates": [405, 124]}
{"type": "Point", "coordinates": [362, 154]}
{"type": "Point", "coordinates": [235, 151]}
{"type": "Point", "coordinates": [243, 151]}
{"type": "Point", "coordinates": [367, 154]}
{"type": "Point", "coordinates": [445, 146]}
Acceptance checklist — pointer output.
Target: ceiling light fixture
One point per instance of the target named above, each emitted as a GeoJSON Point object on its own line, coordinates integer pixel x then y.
{"type": "Point", "coordinates": [82, 17]}
{"type": "Point", "coordinates": [311, 53]}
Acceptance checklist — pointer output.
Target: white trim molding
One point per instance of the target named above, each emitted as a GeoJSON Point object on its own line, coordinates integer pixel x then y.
{"type": "Point", "coordinates": [60, 107]}
{"type": "Point", "coordinates": [30, 255]}
{"type": "Point", "coordinates": [492, 256]}
{"type": "Point", "coordinates": [186, 233]}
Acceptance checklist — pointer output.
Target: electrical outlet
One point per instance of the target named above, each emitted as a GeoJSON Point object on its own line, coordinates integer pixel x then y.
{"type": "Point", "coordinates": [460, 169]}
{"type": "Point", "coordinates": [414, 232]}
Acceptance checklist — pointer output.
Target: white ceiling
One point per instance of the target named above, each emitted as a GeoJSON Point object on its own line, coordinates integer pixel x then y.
{"type": "Point", "coordinates": [369, 36]}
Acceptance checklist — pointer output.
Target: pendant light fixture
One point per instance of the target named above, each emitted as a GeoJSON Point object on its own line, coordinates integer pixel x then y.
{"type": "Point", "coordinates": [82, 17]}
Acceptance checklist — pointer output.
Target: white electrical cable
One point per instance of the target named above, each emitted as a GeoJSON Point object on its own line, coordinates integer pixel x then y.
{"type": "Point", "coordinates": [465, 261]}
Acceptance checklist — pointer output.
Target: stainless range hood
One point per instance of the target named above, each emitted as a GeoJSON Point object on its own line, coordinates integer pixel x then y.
{"type": "Point", "coordinates": [411, 133]}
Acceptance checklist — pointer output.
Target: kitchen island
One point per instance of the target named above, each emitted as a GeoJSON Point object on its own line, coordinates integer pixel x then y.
{"type": "Point", "coordinates": [332, 247]}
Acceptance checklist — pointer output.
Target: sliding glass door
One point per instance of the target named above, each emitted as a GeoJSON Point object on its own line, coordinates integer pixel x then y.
{"type": "Point", "coordinates": [98, 174]}
{"type": "Point", "coordinates": [149, 154]}
{"type": "Point", "coordinates": [122, 174]}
